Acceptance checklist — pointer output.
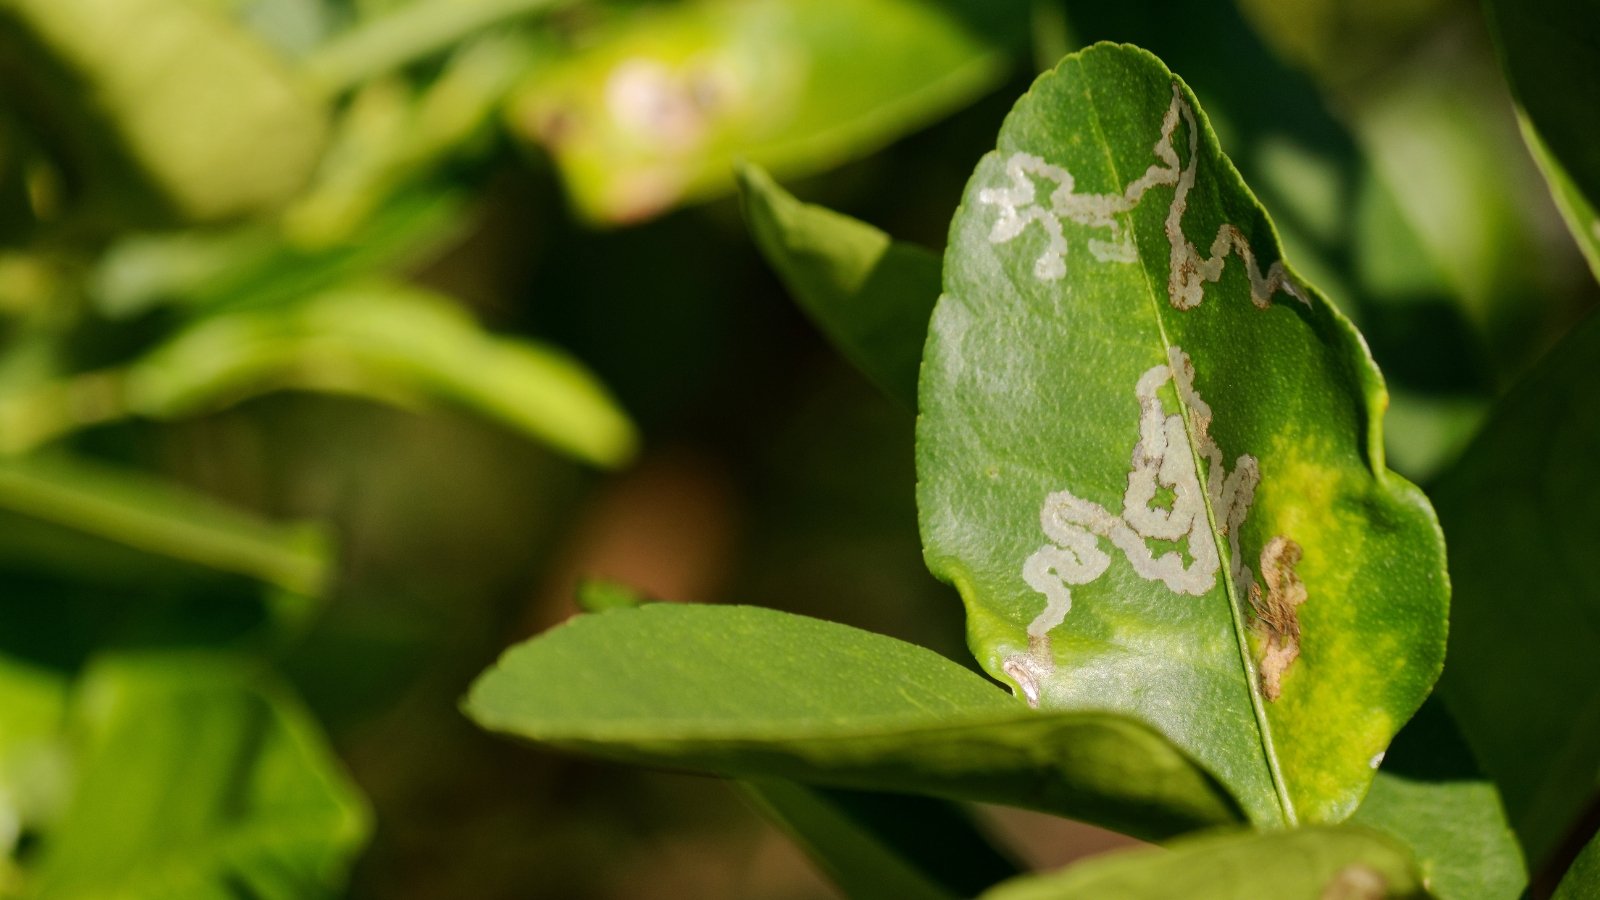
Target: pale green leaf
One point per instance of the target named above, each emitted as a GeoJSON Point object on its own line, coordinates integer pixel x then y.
{"type": "Point", "coordinates": [754, 693]}
{"type": "Point", "coordinates": [871, 295]}
{"type": "Point", "coordinates": [197, 776]}
{"type": "Point", "coordinates": [389, 343]}
{"type": "Point", "coordinates": [1316, 863]}
{"type": "Point", "coordinates": [1550, 50]}
{"type": "Point", "coordinates": [1582, 881]}
{"type": "Point", "coordinates": [162, 108]}
{"type": "Point", "coordinates": [654, 111]}
{"type": "Point", "coordinates": [1157, 481]}
{"type": "Point", "coordinates": [1519, 511]}
{"type": "Point", "coordinates": [884, 845]}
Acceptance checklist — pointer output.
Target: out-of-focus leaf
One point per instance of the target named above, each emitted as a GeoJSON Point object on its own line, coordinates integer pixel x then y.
{"type": "Point", "coordinates": [1520, 513]}
{"type": "Point", "coordinates": [885, 845]}
{"type": "Point", "coordinates": [388, 343]}
{"type": "Point", "coordinates": [1582, 881]}
{"type": "Point", "coordinates": [1316, 863]}
{"type": "Point", "coordinates": [1550, 50]}
{"type": "Point", "coordinates": [161, 108]}
{"type": "Point", "coordinates": [33, 760]}
{"type": "Point", "coordinates": [655, 112]}
{"type": "Point", "coordinates": [871, 295]}
{"type": "Point", "coordinates": [136, 510]}
{"type": "Point", "coordinates": [198, 777]}
{"type": "Point", "coordinates": [754, 693]}
{"type": "Point", "coordinates": [1430, 795]}
{"type": "Point", "coordinates": [1150, 456]}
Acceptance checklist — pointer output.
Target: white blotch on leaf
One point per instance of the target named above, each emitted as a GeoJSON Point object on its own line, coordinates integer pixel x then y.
{"type": "Point", "coordinates": [1161, 460]}
{"type": "Point", "coordinates": [1188, 271]}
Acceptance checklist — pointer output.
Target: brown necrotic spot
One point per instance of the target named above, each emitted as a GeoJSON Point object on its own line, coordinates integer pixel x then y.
{"type": "Point", "coordinates": [1276, 620]}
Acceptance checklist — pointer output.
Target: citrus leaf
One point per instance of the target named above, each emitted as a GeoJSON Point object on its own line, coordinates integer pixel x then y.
{"type": "Point", "coordinates": [164, 108]}
{"type": "Point", "coordinates": [755, 693]}
{"type": "Point", "coordinates": [1150, 455]}
{"type": "Point", "coordinates": [871, 295]}
{"type": "Point", "coordinates": [1317, 863]}
{"type": "Point", "coordinates": [1550, 50]}
{"type": "Point", "coordinates": [1518, 510]}
{"type": "Point", "coordinates": [198, 777]}
{"type": "Point", "coordinates": [1431, 796]}
{"type": "Point", "coordinates": [884, 845]}
{"type": "Point", "coordinates": [655, 111]}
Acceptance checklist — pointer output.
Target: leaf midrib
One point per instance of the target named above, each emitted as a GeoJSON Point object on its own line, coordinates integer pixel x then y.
{"type": "Point", "coordinates": [1224, 554]}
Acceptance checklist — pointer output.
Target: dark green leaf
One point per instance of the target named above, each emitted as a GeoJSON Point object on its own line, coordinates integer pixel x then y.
{"type": "Point", "coordinates": [885, 845]}
{"type": "Point", "coordinates": [655, 111]}
{"type": "Point", "coordinates": [871, 295]}
{"type": "Point", "coordinates": [1132, 410]}
{"type": "Point", "coordinates": [1519, 511]}
{"type": "Point", "coordinates": [751, 693]}
{"type": "Point", "coordinates": [161, 107]}
{"type": "Point", "coordinates": [1550, 50]}
{"type": "Point", "coordinates": [198, 777]}
{"type": "Point", "coordinates": [1317, 863]}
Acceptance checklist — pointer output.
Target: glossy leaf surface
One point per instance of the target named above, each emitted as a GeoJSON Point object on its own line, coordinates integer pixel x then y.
{"type": "Point", "coordinates": [1150, 454]}
{"type": "Point", "coordinates": [198, 777]}
{"type": "Point", "coordinates": [656, 111]}
{"type": "Point", "coordinates": [870, 294]}
{"type": "Point", "coordinates": [750, 692]}
{"type": "Point", "coordinates": [1550, 50]}
{"type": "Point", "coordinates": [1519, 510]}
{"type": "Point", "coordinates": [1317, 863]}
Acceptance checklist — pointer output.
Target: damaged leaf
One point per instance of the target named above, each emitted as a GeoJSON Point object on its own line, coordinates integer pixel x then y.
{"type": "Point", "coordinates": [1136, 417]}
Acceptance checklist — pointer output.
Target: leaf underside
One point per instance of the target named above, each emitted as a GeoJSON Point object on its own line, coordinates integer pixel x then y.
{"type": "Point", "coordinates": [1149, 454]}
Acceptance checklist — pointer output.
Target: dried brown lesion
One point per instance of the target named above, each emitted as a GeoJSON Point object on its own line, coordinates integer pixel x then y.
{"type": "Point", "coordinates": [1276, 621]}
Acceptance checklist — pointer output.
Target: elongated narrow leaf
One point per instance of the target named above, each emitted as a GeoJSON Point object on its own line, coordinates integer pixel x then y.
{"type": "Point", "coordinates": [1308, 864]}
{"type": "Point", "coordinates": [161, 108]}
{"type": "Point", "coordinates": [885, 845]}
{"type": "Point", "coordinates": [1582, 881]}
{"type": "Point", "coordinates": [655, 112]}
{"type": "Point", "coordinates": [1430, 795]}
{"type": "Point", "coordinates": [1520, 512]}
{"type": "Point", "coordinates": [75, 496]}
{"type": "Point", "coordinates": [388, 343]}
{"type": "Point", "coordinates": [1150, 454]}
{"type": "Point", "coordinates": [749, 692]}
{"type": "Point", "coordinates": [198, 778]}
{"type": "Point", "coordinates": [1550, 50]}
{"type": "Point", "coordinates": [871, 295]}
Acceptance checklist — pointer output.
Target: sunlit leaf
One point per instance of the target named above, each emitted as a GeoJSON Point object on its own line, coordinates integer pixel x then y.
{"type": "Point", "coordinates": [1519, 511]}
{"type": "Point", "coordinates": [1582, 881]}
{"type": "Point", "coordinates": [1150, 458]}
{"type": "Point", "coordinates": [1317, 863]}
{"type": "Point", "coordinates": [750, 693]}
{"type": "Point", "coordinates": [161, 108]}
{"type": "Point", "coordinates": [1550, 50]}
{"type": "Point", "coordinates": [655, 111]}
{"type": "Point", "coordinates": [198, 777]}
{"type": "Point", "coordinates": [871, 295]}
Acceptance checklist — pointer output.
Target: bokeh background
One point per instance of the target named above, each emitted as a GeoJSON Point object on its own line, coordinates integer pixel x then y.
{"type": "Point", "coordinates": [342, 339]}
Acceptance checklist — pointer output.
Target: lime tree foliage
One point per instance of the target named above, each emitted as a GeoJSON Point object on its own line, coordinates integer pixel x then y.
{"type": "Point", "coordinates": [1150, 457]}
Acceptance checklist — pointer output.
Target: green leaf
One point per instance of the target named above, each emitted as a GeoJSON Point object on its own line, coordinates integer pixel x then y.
{"type": "Point", "coordinates": [1582, 881]}
{"type": "Point", "coordinates": [1518, 511]}
{"type": "Point", "coordinates": [199, 777]}
{"type": "Point", "coordinates": [754, 693]}
{"type": "Point", "coordinates": [1431, 796]}
{"type": "Point", "coordinates": [1155, 473]}
{"type": "Point", "coordinates": [884, 845]}
{"type": "Point", "coordinates": [1550, 50]}
{"type": "Point", "coordinates": [871, 295]}
{"type": "Point", "coordinates": [44, 496]}
{"type": "Point", "coordinates": [384, 342]}
{"type": "Point", "coordinates": [654, 111]}
{"type": "Point", "coordinates": [1318, 863]}
{"type": "Point", "coordinates": [162, 108]}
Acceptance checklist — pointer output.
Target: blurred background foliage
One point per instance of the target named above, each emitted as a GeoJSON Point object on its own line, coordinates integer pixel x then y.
{"type": "Point", "coordinates": [342, 338]}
